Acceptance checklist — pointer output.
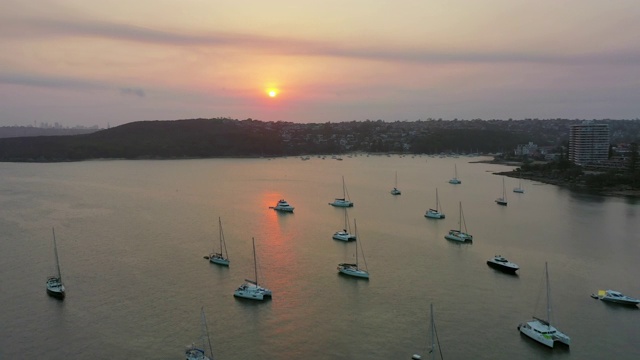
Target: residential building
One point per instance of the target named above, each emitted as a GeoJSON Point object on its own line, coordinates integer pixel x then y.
{"type": "Point", "coordinates": [588, 143]}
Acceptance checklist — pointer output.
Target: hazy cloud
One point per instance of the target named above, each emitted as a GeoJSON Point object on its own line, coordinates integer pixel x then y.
{"type": "Point", "coordinates": [133, 91]}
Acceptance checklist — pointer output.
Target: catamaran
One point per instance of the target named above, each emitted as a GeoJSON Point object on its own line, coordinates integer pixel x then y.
{"type": "Point", "coordinates": [455, 179]}
{"type": "Point", "coordinates": [437, 212]}
{"type": "Point", "coordinates": [251, 289]}
{"type": "Point", "coordinates": [344, 234]}
{"type": "Point", "coordinates": [541, 330]}
{"type": "Point", "coordinates": [344, 200]}
{"type": "Point", "coordinates": [502, 200]}
{"type": "Point", "coordinates": [198, 352]}
{"type": "Point", "coordinates": [459, 235]}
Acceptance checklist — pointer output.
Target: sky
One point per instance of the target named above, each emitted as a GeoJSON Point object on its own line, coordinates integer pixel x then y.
{"type": "Point", "coordinates": [110, 62]}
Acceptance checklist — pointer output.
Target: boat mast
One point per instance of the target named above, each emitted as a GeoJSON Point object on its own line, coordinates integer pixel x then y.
{"type": "Point", "coordinates": [357, 237]}
{"type": "Point", "coordinates": [437, 201]}
{"type": "Point", "coordinates": [55, 251]}
{"type": "Point", "coordinates": [433, 335]}
{"type": "Point", "coordinates": [255, 264]}
{"type": "Point", "coordinates": [223, 244]}
{"type": "Point", "coordinates": [460, 219]}
{"type": "Point", "coordinates": [206, 328]}
{"type": "Point", "coordinates": [546, 273]}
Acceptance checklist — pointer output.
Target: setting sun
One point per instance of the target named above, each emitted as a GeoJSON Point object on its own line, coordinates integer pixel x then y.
{"type": "Point", "coordinates": [272, 92]}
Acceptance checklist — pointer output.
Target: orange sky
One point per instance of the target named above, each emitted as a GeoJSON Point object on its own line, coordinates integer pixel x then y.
{"type": "Point", "coordinates": [111, 62]}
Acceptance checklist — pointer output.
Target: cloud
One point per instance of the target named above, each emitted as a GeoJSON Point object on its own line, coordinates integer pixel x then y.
{"type": "Point", "coordinates": [54, 28]}
{"type": "Point", "coordinates": [133, 91]}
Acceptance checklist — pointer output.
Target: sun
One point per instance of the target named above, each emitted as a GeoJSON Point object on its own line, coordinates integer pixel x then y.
{"type": "Point", "coordinates": [272, 92]}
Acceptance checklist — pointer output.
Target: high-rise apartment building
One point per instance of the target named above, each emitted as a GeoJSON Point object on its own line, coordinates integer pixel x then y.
{"type": "Point", "coordinates": [588, 143]}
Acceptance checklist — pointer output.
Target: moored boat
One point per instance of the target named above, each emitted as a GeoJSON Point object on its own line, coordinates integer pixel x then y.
{"type": "Point", "coordinates": [617, 297]}
{"type": "Point", "coordinates": [282, 205]}
{"type": "Point", "coordinates": [499, 262]}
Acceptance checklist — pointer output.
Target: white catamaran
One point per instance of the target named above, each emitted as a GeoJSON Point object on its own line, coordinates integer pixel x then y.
{"type": "Point", "coordinates": [251, 288]}
{"type": "Point", "coordinates": [344, 200]}
{"type": "Point", "coordinates": [541, 330]}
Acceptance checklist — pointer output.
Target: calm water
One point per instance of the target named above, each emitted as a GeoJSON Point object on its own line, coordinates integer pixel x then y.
{"type": "Point", "coordinates": [132, 236]}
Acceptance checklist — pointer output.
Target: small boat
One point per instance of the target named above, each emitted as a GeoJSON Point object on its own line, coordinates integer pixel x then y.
{"type": "Point", "coordinates": [541, 330]}
{"type": "Point", "coordinates": [354, 269]}
{"type": "Point", "coordinates": [344, 234]}
{"type": "Point", "coordinates": [218, 257]}
{"type": "Point", "coordinates": [437, 212]}
{"type": "Point", "coordinates": [198, 352]}
{"type": "Point", "coordinates": [344, 200]}
{"type": "Point", "coordinates": [502, 200]}
{"type": "Point", "coordinates": [455, 179]}
{"type": "Point", "coordinates": [617, 297]}
{"type": "Point", "coordinates": [251, 288]}
{"type": "Point", "coordinates": [500, 263]}
{"type": "Point", "coordinates": [55, 287]}
{"type": "Point", "coordinates": [283, 206]}
{"type": "Point", "coordinates": [459, 235]}
{"type": "Point", "coordinates": [395, 190]}
{"type": "Point", "coordinates": [432, 348]}
{"type": "Point", "coordinates": [519, 189]}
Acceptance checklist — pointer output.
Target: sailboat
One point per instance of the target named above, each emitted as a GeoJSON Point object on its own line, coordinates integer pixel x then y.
{"type": "Point", "coordinates": [434, 336]}
{"type": "Point", "coordinates": [395, 190]}
{"type": "Point", "coordinates": [194, 352]}
{"type": "Point", "coordinates": [455, 179]}
{"type": "Point", "coordinates": [541, 330]}
{"type": "Point", "coordinates": [354, 269]}
{"type": "Point", "coordinates": [437, 212]}
{"type": "Point", "coordinates": [55, 287]}
{"type": "Point", "coordinates": [218, 257]}
{"type": "Point", "coordinates": [502, 200]}
{"type": "Point", "coordinates": [343, 201]}
{"type": "Point", "coordinates": [459, 235]}
{"type": "Point", "coordinates": [344, 234]}
{"type": "Point", "coordinates": [251, 288]}
{"type": "Point", "coordinates": [519, 189]}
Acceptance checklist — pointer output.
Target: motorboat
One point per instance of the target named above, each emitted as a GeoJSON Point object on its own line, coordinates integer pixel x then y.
{"type": "Point", "coordinates": [500, 263]}
{"type": "Point", "coordinates": [283, 206]}
{"type": "Point", "coordinates": [617, 297]}
{"type": "Point", "coordinates": [541, 330]}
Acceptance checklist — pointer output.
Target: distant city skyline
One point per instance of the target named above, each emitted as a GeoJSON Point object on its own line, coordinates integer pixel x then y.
{"type": "Point", "coordinates": [80, 63]}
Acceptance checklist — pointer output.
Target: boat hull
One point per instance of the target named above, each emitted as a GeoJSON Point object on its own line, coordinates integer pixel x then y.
{"type": "Point", "coordinates": [283, 209]}
{"type": "Point", "coordinates": [342, 203]}
{"type": "Point", "coordinates": [519, 191]}
{"type": "Point", "coordinates": [458, 236]}
{"type": "Point", "coordinates": [252, 292]}
{"type": "Point", "coordinates": [351, 270]}
{"type": "Point", "coordinates": [503, 268]}
{"type": "Point", "coordinates": [396, 192]}
{"type": "Point", "coordinates": [616, 297]}
{"type": "Point", "coordinates": [545, 335]}
{"type": "Point", "coordinates": [501, 202]}
{"type": "Point", "coordinates": [434, 215]}
{"type": "Point", "coordinates": [219, 261]}
{"type": "Point", "coordinates": [455, 181]}
{"type": "Point", "coordinates": [55, 288]}
{"type": "Point", "coordinates": [342, 236]}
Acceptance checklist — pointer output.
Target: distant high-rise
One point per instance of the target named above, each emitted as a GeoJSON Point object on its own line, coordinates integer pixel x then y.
{"type": "Point", "coordinates": [588, 143]}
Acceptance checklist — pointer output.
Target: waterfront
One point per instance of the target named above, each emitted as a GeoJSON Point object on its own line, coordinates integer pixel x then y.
{"type": "Point", "coordinates": [132, 236]}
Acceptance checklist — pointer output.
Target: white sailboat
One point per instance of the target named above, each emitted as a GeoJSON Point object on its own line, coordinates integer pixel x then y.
{"type": "Point", "coordinates": [198, 352]}
{"type": "Point", "coordinates": [55, 287]}
{"type": "Point", "coordinates": [395, 190]}
{"type": "Point", "coordinates": [519, 189]}
{"type": "Point", "coordinates": [459, 235]}
{"type": "Point", "coordinates": [218, 257]}
{"type": "Point", "coordinates": [344, 200]}
{"type": "Point", "coordinates": [251, 289]}
{"type": "Point", "coordinates": [434, 336]}
{"type": "Point", "coordinates": [344, 234]}
{"type": "Point", "coordinates": [354, 269]}
{"type": "Point", "coordinates": [502, 200]}
{"type": "Point", "coordinates": [455, 179]}
{"type": "Point", "coordinates": [541, 330]}
{"type": "Point", "coordinates": [437, 212]}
